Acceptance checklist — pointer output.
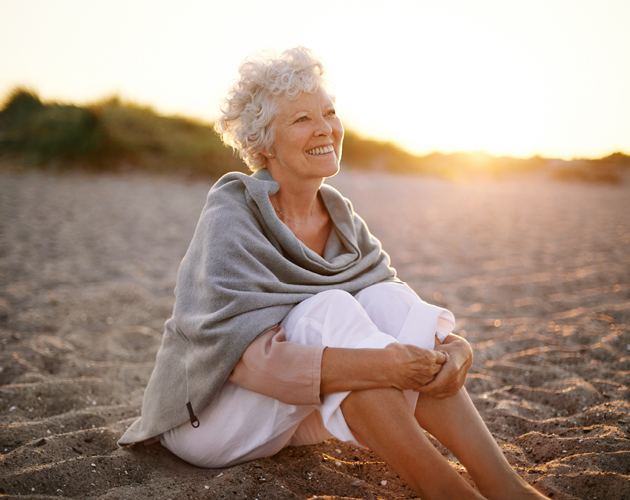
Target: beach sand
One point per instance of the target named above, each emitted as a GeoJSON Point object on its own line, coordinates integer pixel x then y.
{"type": "Point", "coordinates": [536, 271]}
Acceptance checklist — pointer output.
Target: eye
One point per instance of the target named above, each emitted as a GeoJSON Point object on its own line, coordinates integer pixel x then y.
{"type": "Point", "coordinates": [331, 112]}
{"type": "Point", "coordinates": [301, 119]}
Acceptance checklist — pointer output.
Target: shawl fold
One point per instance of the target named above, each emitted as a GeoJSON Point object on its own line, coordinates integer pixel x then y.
{"type": "Point", "coordinates": [242, 274]}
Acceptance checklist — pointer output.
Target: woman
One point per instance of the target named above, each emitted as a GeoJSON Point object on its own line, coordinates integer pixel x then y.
{"type": "Point", "coordinates": [289, 324]}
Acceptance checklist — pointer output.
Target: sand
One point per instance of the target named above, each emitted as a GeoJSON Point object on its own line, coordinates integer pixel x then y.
{"type": "Point", "coordinates": [536, 271]}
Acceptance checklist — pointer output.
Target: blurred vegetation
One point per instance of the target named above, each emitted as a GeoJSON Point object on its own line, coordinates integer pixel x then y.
{"type": "Point", "coordinates": [47, 132]}
{"type": "Point", "coordinates": [610, 169]}
{"type": "Point", "coordinates": [117, 136]}
{"type": "Point", "coordinates": [377, 155]}
{"type": "Point", "coordinates": [109, 135]}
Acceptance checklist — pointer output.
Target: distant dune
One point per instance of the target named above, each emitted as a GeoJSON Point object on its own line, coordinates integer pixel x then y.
{"type": "Point", "coordinates": [113, 135]}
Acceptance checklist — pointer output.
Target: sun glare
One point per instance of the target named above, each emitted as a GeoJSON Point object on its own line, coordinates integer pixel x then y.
{"type": "Point", "coordinates": [510, 78]}
{"type": "Point", "coordinates": [469, 88]}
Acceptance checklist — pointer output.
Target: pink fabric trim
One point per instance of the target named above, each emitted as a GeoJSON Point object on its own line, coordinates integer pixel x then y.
{"type": "Point", "coordinates": [286, 371]}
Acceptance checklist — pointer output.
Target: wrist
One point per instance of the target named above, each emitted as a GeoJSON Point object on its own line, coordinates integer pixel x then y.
{"type": "Point", "coordinates": [346, 369]}
{"type": "Point", "coordinates": [389, 363]}
{"type": "Point", "coordinates": [380, 366]}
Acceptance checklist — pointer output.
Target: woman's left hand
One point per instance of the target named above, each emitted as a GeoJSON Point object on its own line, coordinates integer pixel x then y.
{"type": "Point", "coordinates": [452, 376]}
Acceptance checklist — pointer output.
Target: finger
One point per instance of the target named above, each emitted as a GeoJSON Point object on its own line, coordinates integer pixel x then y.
{"type": "Point", "coordinates": [441, 385]}
{"type": "Point", "coordinates": [437, 391]}
{"type": "Point", "coordinates": [435, 369]}
{"type": "Point", "coordinates": [443, 395]}
{"type": "Point", "coordinates": [440, 357]}
{"type": "Point", "coordinates": [431, 387]}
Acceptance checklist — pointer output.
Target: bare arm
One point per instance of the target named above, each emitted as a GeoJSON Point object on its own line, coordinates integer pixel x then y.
{"type": "Point", "coordinates": [299, 374]}
{"type": "Point", "coordinates": [401, 366]}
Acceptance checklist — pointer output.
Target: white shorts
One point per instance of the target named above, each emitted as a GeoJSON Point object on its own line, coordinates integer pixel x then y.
{"type": "Point", "coordinates": [242, 425]}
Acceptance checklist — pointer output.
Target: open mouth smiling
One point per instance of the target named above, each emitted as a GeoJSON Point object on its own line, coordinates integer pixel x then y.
{"type": "Point", "coordinates": [320, 151]}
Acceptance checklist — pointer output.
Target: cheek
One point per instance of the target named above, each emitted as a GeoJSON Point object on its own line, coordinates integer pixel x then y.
{"type": "Point", "coordinates": [338, 127]}
{"type": "Point", "coordinates": [292, 142]}
{"type": "Point", "coordinates": [339, 132]}
{"type": "Point", "coordinates": [280, 142]}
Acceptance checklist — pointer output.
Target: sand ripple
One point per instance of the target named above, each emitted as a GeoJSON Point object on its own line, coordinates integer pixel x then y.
{"type": "Point", "coordinates": [536, 271]}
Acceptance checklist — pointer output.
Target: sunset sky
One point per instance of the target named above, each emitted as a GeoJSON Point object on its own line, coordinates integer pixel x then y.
{"type": "Point", "coordinates": [518, 78]}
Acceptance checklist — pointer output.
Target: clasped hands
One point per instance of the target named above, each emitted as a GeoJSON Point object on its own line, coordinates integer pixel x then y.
{"type": "Point", "coordinates": [439, 373]}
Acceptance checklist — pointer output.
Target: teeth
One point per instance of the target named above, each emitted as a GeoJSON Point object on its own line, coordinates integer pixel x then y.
{"type": "Point", "coordinates": [321, 151]}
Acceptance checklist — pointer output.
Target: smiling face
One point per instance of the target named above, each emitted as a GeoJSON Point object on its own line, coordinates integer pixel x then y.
{"type": "Point", "coordinates": [307, 139]}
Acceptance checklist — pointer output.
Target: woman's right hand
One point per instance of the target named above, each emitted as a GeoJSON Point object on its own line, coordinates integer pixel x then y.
{"type": "Point", "coordinates": [411, 367]}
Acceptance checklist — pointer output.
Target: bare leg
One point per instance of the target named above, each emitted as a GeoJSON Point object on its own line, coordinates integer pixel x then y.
{"type": "Point", "coordinates": [455, 422]}
{"type": "Point", "coordinates": [384, 422]}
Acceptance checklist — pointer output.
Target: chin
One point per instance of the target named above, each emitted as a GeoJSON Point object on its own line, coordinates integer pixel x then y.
{"type": "Point", "coordinates": [331, 171]}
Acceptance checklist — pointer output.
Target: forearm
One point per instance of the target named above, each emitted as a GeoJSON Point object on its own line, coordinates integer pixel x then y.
{"type": "Point", "coordinates": [354, 370]}
{"type": "Point", "coordinates": [401, 366]}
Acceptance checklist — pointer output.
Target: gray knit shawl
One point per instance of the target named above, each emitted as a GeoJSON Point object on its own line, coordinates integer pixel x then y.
{"type": "Point", "coordinates": [243, 272]}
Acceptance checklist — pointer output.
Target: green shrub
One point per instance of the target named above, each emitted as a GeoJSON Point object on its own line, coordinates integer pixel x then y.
{"type": "Point", "coordinates": [47, 132]}
{"type": "Point", "coordinates": [140, 137]}
{"type": "Point", "coordinates": [110, 135]}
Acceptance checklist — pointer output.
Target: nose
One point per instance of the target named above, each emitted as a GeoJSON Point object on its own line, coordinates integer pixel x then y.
{"type": "Point", "coordinates": [323, 127]}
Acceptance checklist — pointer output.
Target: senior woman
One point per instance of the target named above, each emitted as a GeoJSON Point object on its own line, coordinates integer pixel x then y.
{"type": "Point", "coordinates": [289, 324]}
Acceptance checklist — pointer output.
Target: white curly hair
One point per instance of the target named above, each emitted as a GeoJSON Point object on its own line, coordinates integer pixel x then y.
{"type": "Point", "coordinates": [249, 108]}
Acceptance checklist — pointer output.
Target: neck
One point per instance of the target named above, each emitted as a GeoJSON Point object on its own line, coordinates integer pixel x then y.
{"type": "Point", "coordinates": [298, 207]}
{"type": "Point", "coordinates": [296, 199]}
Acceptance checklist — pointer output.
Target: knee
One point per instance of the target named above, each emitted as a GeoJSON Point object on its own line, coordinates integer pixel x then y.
{"type": "Point", "coordinates": [334, 296]}
{"type": "Point", "coordinates": [319, 307]}
{"type": "Point", "coordinates": [377, 295]}
{"type": "Point", "coordinates": [341, 302]}
{"type": "Point", "coordinates": [332, 301]}
{"type": "Point", "coordinates": [326, 300]}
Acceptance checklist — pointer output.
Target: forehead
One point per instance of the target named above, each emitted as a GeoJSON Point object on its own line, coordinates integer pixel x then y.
{"type": "Point", "coordinates": [305, 102]}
